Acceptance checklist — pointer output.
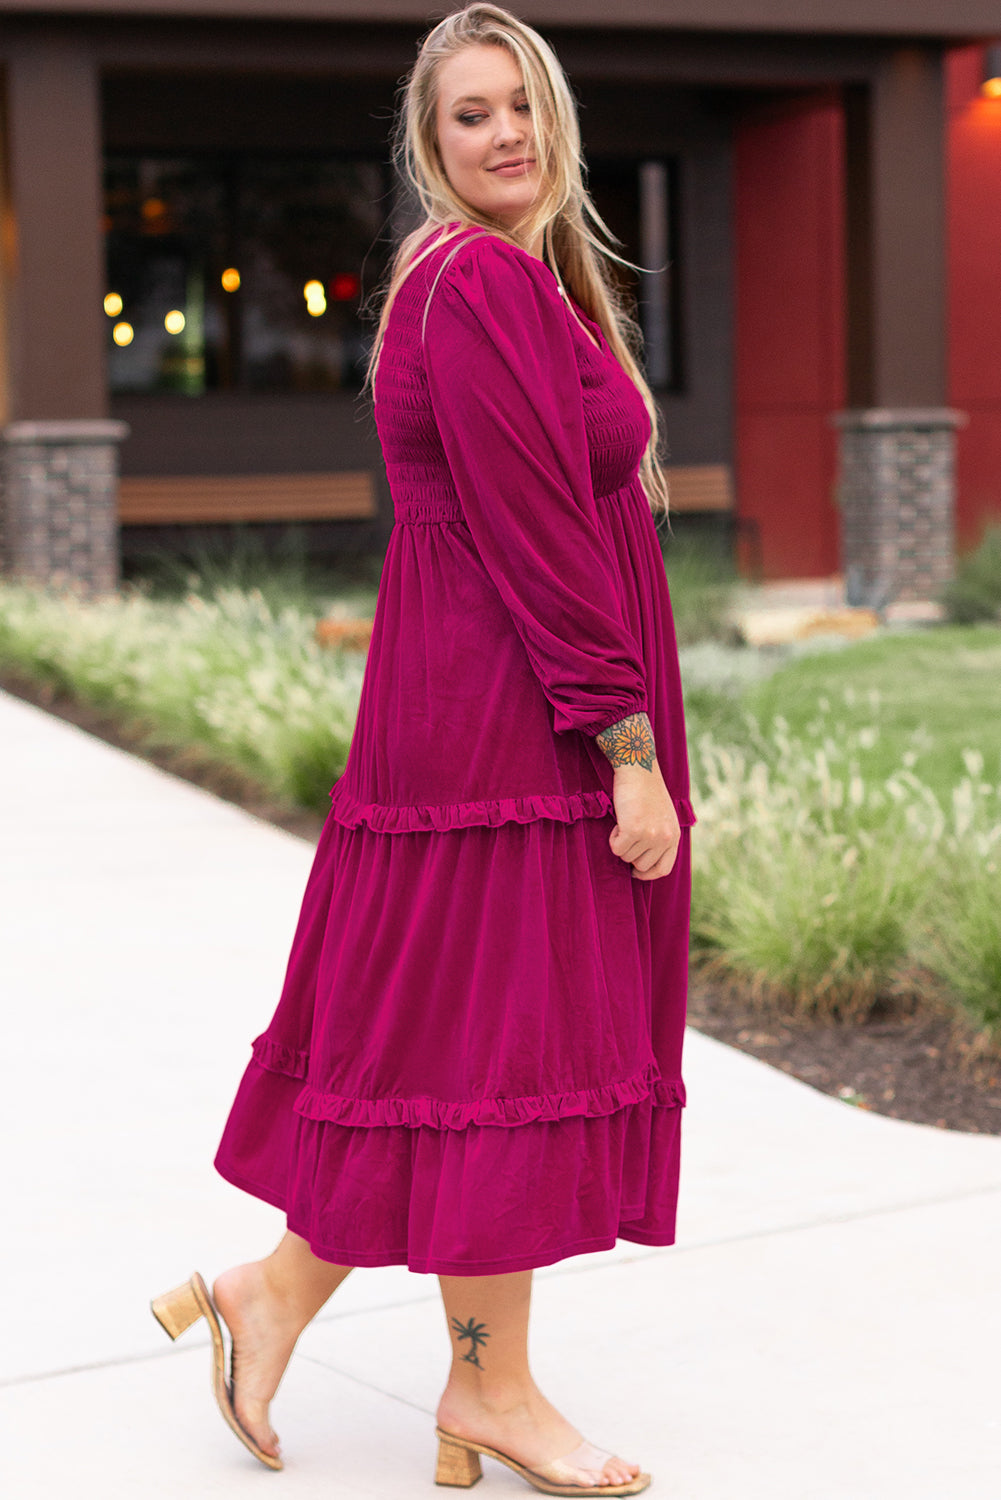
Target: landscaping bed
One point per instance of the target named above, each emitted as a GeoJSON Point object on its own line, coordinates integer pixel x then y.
{"type": "Point", "coordinates": [847, 874]}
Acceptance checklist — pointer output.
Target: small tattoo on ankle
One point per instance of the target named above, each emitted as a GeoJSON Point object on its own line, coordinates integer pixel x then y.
{"type": "Point", "coordinates": [476, 1334]}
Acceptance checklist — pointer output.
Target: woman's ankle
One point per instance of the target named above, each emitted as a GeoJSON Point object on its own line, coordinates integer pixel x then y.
{"type": "Point", "coordinates": [466, 1400]}
{"type": "Point", "coordinates": [288, 1309]}
{"type": "Point", "coordinates": [299, 1283]}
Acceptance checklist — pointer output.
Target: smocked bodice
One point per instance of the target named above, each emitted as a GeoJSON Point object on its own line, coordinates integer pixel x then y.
{"type": "Point", "coordinates": [417, 467]}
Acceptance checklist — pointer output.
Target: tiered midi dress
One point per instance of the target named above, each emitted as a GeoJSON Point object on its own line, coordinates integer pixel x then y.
{"type": "Point", "coordinates": [475, 1063]}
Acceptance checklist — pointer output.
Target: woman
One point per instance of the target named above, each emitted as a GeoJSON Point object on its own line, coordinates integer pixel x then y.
{"type": "Point", "coordinates": [474, 1068]}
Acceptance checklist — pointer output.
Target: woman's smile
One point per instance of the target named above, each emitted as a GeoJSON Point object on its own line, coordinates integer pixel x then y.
{"type": "Point", "coordinates": [517, 168]}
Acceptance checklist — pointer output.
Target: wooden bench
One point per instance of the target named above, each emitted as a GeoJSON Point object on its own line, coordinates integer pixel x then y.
{"type": "Point", "coordinates": [701, 489]}
{"type": "Point", "coordinates": [170, 500]}
{"type": "Point", "coordinates": [707, 490]}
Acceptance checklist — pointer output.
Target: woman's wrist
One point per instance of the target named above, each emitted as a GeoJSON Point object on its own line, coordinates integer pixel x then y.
{"type": "Point", "coordinates": [629, 742]}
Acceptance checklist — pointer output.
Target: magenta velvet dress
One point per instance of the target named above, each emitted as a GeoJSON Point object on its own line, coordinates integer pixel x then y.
{"type": "Point", "coordinates": [475, 1064]}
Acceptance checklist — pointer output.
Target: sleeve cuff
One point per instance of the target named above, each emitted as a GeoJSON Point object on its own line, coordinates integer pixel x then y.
{"type": "Point", "coordinates": [607, 720]}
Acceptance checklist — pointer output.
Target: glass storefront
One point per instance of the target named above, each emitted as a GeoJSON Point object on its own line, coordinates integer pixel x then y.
{"type": "Point", "coordinates": [639, 202]}
{"type": "Point", "coordinates": [248, 273]}
{"type": "Point", "coordinates": [241, 273]}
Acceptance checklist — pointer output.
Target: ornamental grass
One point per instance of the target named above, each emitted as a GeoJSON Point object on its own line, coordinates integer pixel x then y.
{"type": "Point", "coordinates": [822, 880]}
{"type": "Point", "coordinates": [235, 676]}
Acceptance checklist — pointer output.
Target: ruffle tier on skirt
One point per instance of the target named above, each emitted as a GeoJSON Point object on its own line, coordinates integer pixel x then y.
{"type": "Point", "coordinates": [474, 1066]}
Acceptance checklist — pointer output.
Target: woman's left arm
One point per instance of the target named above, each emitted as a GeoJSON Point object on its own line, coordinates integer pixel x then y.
{"type": "Point", "coordinates": [507, 399]}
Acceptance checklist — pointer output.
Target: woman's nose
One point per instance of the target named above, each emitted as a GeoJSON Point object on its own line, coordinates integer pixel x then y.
{"type": "Point", "coordinates": [508, 129]}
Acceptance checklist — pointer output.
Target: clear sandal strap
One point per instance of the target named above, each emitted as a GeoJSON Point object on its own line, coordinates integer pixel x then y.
{"type": "Point", "coordinates": [585, 1459]}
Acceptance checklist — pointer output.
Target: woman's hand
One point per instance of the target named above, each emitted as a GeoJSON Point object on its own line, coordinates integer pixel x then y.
{"type": "Point", "coordinates": [646, 833]}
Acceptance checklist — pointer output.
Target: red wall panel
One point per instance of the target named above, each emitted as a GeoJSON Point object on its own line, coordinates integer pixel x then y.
{"type": "Point", "coordinates": [974, 229]}
{"type": "Point", "coordinates": [789, 357]}
{"type": "Point", "coordinates": [789, 457]}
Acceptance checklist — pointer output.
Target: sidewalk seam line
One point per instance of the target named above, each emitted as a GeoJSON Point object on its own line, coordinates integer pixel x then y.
{"type": "Point", "coordinates": [646, 1252]}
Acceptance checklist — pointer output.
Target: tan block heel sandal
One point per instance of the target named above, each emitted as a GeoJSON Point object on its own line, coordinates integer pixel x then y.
{"type": "Point", "coordinates": [459, 1465]}
{"type": "Point", "coordinates": [177, 1310]}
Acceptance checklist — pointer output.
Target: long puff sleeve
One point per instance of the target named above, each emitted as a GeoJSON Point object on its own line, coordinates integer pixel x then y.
{"type": "Point", "coordinates": [507, 399]}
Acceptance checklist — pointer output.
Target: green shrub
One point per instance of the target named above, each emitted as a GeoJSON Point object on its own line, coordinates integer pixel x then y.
{"type": "Point", "coordinates": [975, 592]}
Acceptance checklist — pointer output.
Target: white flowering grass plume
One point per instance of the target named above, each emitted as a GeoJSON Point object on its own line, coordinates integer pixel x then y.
{"type": "Point", "coordinates": [961, 940]}
{"type": "Point", "coordinates": [821, 883]}
{"type": "Point", "coordinates": [241, 679]}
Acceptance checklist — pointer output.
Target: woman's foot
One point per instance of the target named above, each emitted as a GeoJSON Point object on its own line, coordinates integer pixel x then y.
{"type": "Point", "coordinates": [520, 1422]}
{"type": "Point", "coordinates": [264, 1330]}
{"type": "Point", "coordinates": [266, 1305]}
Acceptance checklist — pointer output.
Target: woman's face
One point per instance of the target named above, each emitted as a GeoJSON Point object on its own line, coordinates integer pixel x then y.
{"type": "Point", "coordinates": [485, 133]}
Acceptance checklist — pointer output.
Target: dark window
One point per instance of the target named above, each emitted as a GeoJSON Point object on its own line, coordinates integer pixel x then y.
{"type": "Point", "coordinates": [241, 273]}
{"type": "Point", "coordinates": [639, 202]}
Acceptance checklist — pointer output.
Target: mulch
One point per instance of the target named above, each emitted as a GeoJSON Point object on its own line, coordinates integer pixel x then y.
{"type": "Point", "coordinates": [910, 1059]}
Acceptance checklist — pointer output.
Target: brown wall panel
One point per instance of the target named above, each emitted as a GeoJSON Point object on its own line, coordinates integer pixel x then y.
{"type": "Point", "coordinates": [56, 275]}
{"type": "Point", "coordinates": [232, 433]}
{"type": "Point", "coordinates": [896, 234]}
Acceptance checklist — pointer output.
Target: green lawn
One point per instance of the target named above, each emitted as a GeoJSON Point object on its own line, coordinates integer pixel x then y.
{"type": "Point", "coordinates": [934, 693]}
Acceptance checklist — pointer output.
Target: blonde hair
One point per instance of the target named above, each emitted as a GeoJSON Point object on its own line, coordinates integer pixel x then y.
{"type": "Point", "coordinates": [562, 214]}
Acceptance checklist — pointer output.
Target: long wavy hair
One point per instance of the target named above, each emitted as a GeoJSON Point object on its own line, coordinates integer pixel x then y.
{"type": "Point", "coordinates": [577, 244]}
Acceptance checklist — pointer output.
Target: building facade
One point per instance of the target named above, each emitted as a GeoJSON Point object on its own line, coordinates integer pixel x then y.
{"type": "Point", "coordinates": [198, 206]}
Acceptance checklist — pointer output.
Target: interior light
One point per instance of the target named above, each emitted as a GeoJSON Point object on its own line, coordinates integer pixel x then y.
{"type": "Point", "coordinates": [230, 279]}
{"type": "Point", "coordinates": [113, 304]}
{"type": "Point", "coordinates": [346, 286]}
{"type": "Point", "coordinates": [991, 86]}
{"type": "Point", "coordinates": [313, 289]}
{"type": "Point", "coordinates": [154, 208]}
{"type": "Point", "coordinates": [123, 333]}
{"type": "Point", "coordinates": [316, 307]}
{"type": "Point", "coordinates": [174, 321]}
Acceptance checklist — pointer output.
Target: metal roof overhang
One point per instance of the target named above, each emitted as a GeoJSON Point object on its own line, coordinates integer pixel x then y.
{"type": "Point", "coordinates": [944, 20]}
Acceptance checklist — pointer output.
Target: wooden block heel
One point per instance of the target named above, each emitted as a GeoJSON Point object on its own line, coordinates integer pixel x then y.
{"type": "Point", "coordinates": [457, 1466]}
{"type": "Point", "coordinates": [176, 1311]}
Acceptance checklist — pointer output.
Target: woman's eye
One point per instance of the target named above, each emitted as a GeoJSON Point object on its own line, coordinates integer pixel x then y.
{"type": "Point", "coordinates": [471, 119]}
{"type": "Point", "coordinates": [524, 107]}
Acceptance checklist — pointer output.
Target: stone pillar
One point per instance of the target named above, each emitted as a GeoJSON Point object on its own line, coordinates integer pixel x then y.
{"type": "Point", "coordinates": [896, 494]}
{"type": "Point", "coordinates": [59, 503]}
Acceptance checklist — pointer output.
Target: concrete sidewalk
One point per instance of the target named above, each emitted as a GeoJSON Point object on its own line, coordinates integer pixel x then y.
{"type": "Point", "coordinates": [826, 1329]}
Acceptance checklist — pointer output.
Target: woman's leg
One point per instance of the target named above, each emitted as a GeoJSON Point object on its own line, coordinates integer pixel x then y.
{"type": "Point", "coordinates": [491, 1397]}
{"type": "Point", "coordinates": [266, 1305]}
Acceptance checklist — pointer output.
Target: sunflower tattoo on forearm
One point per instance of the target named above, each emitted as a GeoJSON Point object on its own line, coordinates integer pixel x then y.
{"type": "Point", "coordinates": [629, 742]}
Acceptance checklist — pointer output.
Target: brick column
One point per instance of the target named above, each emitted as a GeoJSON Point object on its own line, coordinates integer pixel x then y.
{"type": "Point", "coordinates": [59, 503]}
{"type": "Point", "coordinates": [896, 494]}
